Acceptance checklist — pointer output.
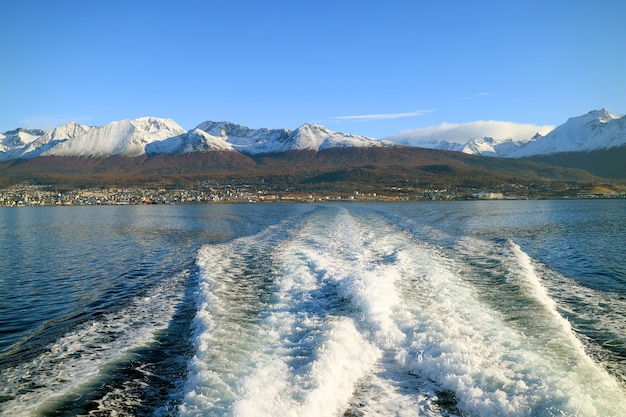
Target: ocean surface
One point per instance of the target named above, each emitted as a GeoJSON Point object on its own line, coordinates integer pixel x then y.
{"type": "Point", "coordinates": [484, 308]}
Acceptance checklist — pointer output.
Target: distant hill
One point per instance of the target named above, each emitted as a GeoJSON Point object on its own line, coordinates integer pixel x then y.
{"type": "Point", "coordinates": [595, 141]}
{"type": "Point", "coordinates": [373, 168]}
{"type": "Point", "coordinates": [606, 163]}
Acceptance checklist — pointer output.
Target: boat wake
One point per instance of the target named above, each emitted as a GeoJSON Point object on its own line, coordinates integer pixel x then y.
{"type": "Point", "coordinates": [336, 310]}
{"type": "Point", "coordinates": [343, 313]}
{"type": "Point", "coordinates": [77, 363]}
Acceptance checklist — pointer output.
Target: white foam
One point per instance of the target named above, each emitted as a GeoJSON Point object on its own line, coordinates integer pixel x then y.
{"type": "Point", "coordinates": [321, 386]}
{"type": "Point", "coordinates": [76, 360]}
{"type": "Point", "coordinates": [364, 317]}
{"type": "Point", "coordinates": [599, 313]}
{"type": "Point", "coordinates": [300, 358]}
{"type": "Point", "coordinates": [221, 336]}
{"type": "Point", "coordinates": [493, 366]}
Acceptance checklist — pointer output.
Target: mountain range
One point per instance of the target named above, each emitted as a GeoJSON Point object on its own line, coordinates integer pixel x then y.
{"type": "Point", "coordinates": [151, 149]}
{"type": "Point", "coordinates": [595, 142]}
{"type": "Point", "coordinates": [594, 131]}
{"type": "Point", "coordinates": [155, 136]}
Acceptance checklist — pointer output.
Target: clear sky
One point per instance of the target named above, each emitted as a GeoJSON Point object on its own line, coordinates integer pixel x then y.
{"type": "Point", "coordinates": [365, 67]}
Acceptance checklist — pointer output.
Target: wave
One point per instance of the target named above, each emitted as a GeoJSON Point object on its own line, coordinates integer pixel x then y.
{"type": "Point", "coordinates": [78, 362]}
{"type": "Point", "coordinates": [343, 312]}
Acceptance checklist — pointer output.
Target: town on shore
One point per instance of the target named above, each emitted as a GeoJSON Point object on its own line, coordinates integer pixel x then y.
{"type": "Point", "coordinates": [31, 194]}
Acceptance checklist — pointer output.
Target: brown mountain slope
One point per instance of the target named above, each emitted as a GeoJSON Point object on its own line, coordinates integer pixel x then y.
{"type": "Point", "coordinates": [607, 163]}
{"type": "Point", "coordinates": [374, 167]}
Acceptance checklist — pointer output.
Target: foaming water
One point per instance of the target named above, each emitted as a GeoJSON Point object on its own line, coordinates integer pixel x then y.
{"type": "Point", "coordinates": [596, 317]}
{"type": "Point", "coordinates": [77, 362]}
{"type": "Point", "coordinates": [509, 352]}
{"type": "Point", "coordinates": [314, 310]}
{"type": "Point", "coordinates": [346, 314]}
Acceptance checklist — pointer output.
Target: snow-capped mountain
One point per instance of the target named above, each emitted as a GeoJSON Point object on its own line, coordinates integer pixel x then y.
{"type": "Point", "coordinates": [49, 140]}
{"type": "Point", "coordinates": [491, 147]}
{"type": "Point", "coordinates": [227, 136]}
{"type": "Point", "coordinates": [28, 143]}
{"type": "Point", "coordinates": [484, 145]}
{"type": "Point", "coordinates": [195, 140]}
{"type": "Point", "coordinates": [18, 138]}
{"type": "Point", "coordinates": [316, 137]}
{"type": "Point", "coordinates": [245, 139]}
{"type": "Point", "coordinates": [126, 137]}
{"type": "Point", "coordinates": [309, 136]}
{"type": "Point", "coordinates": [598, 129]}
{"type": "Point", "coordinates": [437, 144]}
{"type": "Point", "coordinates": [153, 136]}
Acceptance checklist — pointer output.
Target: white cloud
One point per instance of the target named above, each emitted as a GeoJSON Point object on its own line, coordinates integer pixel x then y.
{"type": "Point", "coordinates": [462, 132]}
{"type": "Point", "coordinates": [383, 116]}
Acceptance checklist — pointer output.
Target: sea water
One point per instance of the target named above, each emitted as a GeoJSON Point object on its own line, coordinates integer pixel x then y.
{"type": "Point", "coordinates": [486, 308]}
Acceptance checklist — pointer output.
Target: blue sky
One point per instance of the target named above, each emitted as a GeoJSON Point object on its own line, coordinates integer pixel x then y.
{"type": "Point", "coordinates": [363, 67]}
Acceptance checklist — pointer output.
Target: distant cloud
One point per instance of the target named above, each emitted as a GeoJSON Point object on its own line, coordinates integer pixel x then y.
{"type": "Point", "coordinates": [462, 132]}
{"type": "Point", "coordinates": [473, 96]}
{"type": "Point", "coordinates": [383, 116]}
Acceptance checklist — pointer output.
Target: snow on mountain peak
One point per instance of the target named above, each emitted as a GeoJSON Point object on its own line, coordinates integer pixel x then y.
{"type": "Point", "coordinates": [68, 130]}
{"type": "Point", "coordinates": [598, 129]}
{"type": "Point", "coordinates": [199, 140]}
{"type": "Point", "coordinates": [602, 116]}
{"type": "Point", "coordinates": [126, 137]}
{"type": "Point", "coordinates": [315, 129]}
{"type": "Point", "coordinates": [245, 139]}
{"type": "Point", "coordinates": [481, 146]}
{"type": "Point", "coordinates": [153, 135]}
{"type": "Point", "coordinates": [222, 129]}
{"type": "Point", "coordinates": [315, 137]}
{"type": "Point", "coordinates": [485, 145]}
{"type": "Point", "coordinates": [309, 136]}
{"type": "Point", "coordinates": [19, 137]}
{"type": "Point", "coordinates": [195, 140]}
